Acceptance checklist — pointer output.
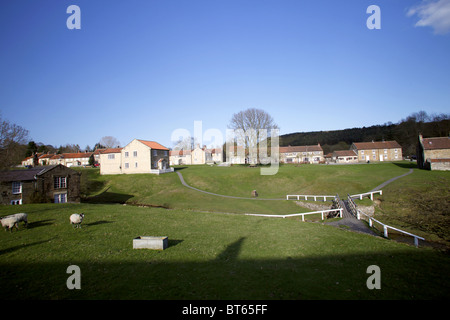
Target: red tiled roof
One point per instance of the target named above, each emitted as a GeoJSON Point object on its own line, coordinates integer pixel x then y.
{"type": "Point", "coordinates": [311, 148]}
{"type": "Point", "coordinates": [110, 150]}
{"type": "Point", "coordinates": [345, 153]}
{"type": "Point", "coordinates": [436, 143]}
{"type": "Point", "coordinates": [153, 145]}
{"type": "Point", "coordinates": [76, 155]}
{"type": "Point", "coordinates": [376, 145]}
{"type": "Point", "coordinates": [180, 152]}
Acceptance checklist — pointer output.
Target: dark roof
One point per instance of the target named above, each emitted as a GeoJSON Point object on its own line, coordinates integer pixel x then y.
{"type": "Point", "coordinates": [345, 153]}
{"type": "Point", "coordinates": [436, 143]}
{"type": "Point", "coordinates": [377, 145]}
{"type": "Point", "coordinates": [24, 175]}
{"type": "Point", "coordinates": [315, 147]}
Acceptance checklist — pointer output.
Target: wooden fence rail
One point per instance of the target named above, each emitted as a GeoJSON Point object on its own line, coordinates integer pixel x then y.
{"type": "Point", "coordinates": [370, 194]}
{"type": "Point", "coordinates": [306, 196]}
{"type": "Point", "coordinates": [359, 215]}
{"type": "Point", "coordinates": [295, 214]}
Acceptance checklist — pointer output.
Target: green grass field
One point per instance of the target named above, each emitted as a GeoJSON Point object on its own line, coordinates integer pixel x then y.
{"type": "Point", "coordinates": [212, 255]}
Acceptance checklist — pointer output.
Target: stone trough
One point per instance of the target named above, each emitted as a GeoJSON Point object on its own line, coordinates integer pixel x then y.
{"type": "Point", "coordinates": [155, 243]}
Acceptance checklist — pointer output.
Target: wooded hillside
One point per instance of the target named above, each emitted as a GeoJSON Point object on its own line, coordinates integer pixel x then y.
{"type": "Point", "coordinates": [405, 133]}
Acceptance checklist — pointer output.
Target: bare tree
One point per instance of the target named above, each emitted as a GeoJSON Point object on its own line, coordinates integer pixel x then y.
{"type": "Point", "coordinates": [187, 143]}
{"type": "Point", "coordinates": [251, 127]}
{"type": "Point", "coordinates": [109, 142]}
{"type": "Point", "coordinates": [12, 139]}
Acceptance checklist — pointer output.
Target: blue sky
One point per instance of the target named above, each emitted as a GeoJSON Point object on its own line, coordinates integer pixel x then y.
{"type": "Point", "coordinates": [143, 68]}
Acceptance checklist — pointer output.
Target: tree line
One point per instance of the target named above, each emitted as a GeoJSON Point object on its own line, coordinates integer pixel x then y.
{"type": "Point", "coordinates": [405, 132]}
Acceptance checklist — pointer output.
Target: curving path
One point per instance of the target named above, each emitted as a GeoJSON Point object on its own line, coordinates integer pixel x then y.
{"type": "Point", "coordinates": [391, 180]}
{"type": "Point", "coordinates": [216, 194]}
{"type": "Point", "coordinates": [233, 197]}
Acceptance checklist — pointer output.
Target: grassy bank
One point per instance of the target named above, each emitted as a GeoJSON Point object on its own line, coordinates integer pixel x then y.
{"type": "Point", "coordinates": [210, 256]}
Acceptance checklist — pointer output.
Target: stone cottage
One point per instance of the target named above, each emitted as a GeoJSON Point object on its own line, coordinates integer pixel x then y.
{"type": "Point", "coordinates": [55, 183]}
{"type": "Point", "coordinates": [433, 153]}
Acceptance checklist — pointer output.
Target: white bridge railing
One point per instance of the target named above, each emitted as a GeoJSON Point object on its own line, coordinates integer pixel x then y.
{"type": "Point", "coordinates": [357, 213]}
{"type": "Point", "coordinates": [386, 227]}
{"type": "Point", "coordinates": [370, 194]}
{"type": "Point", "coordinates": [306, 196]}
{"type": "Point", "coordinates": [296, 214]}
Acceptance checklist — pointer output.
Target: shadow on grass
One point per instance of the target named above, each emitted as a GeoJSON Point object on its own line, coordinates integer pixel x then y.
{"type": "Point", "coordinates": [405, 274]}
{"type": "Point", "coordinates": [98, 223]}
{"type": "Point", "coordinates": [40, 223]}
{"type": "Point", "coordinates": [107, 197]}
{"type": "Point", "coordinates": [9, 250]}
{"type": "Point", "coordinates": [406, 165]}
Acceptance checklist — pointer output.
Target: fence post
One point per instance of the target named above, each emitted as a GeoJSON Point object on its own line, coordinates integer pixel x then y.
{"type": "Point", "coordinates": [416, 241]}
{"type": "Point", "coordinates": [385, 231]}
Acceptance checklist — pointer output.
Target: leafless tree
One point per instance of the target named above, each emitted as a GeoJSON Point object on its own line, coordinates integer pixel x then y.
{"type": "Point", "coordinates": [251, 127]}
{"type": "Point", "coordinates": [109, 142]}
{"type": "Point", "coordinates": [12, 139]}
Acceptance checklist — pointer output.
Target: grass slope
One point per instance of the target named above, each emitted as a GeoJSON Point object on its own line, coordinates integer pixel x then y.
{"type": "Point", "coordinates": [210, 256]}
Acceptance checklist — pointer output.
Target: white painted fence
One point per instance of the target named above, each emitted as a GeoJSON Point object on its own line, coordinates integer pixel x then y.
{"type": "Point", "coordinates": [386, 227]}
{"type": "Point", "coordinates": [370, 194]}
{"type": "Point", "coordinates": [306, 196]}
{"type": "Point", "coordinates": [358, 213]}
{"type": "Point", "coordinates": [295, 214]}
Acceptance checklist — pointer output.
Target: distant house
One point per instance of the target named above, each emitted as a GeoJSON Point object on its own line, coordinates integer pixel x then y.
{"type": "Point", "coordinates": [56, 183]}
{"type": "Point", "coordinates": [139, 156]}
{"type": "Point", "coordinates": [110, 161]}
{"type": "Point", "coordinates": [302, 154]}
{"type": "Point", "coordinates": [71, 159]}
{"type": "Point", "coordinates": [196, 156]}
{"type": "Point", "coordinates": [433, 153]}
{"type": "Point", "coordinates": [377, 151]}
{"type": "Point", "coordinates": [213, 155]}
{"type": "Point", "coordinates": [180, 157]}
{"type": "Point", "coordinates": [236, 155]}
{"type": "Point", "coordinates": [345, 156]}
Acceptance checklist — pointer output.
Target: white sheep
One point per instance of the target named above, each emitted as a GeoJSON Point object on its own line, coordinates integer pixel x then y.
{"type": "Point", "coordinates": [20, 217]}
{"type": "Point", "coordinates": [9, 223]}
{"type": "Point", "coordinates": [76, 219]}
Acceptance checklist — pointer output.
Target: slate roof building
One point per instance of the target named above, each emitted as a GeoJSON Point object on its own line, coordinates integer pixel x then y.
{"type": "Point", "coordinates": [54, 183]}
{"type": "Point", "coordinates": [433, 153]}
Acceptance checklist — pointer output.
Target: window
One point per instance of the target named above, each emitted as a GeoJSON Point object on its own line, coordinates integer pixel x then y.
{"type": "Point", "coordinates": [396, 150]}
{"type": "Point", "coordinates": [362, 151]}
{"type": "Point", "coordinates": [374, 157]}
{"type": "Point", "coordinates": [135, 165]}
{"type": "Point", "coordinates": [126, 154]}
{"type": "Point", "coordinates": [16, 202]}
{"type": "Point", "coordinates": [385, 150]}
{"type": "Point", "coordinates": [166, 153]}
{"type": "Point", "coordinates": [135, 154]}
{"type": "Point", "coordinates": [16, 187]}
{"type": "Point", "coordinates": [155, 153]}
{"type": "Point", "coordinates": [127, 165]}
{"type": "Point", "coordinates": [373, 151]}
{"type": "Point", "coordinates": [111, 156]}
{"type": "Point", "coordinates": [60, 198]}
{"type": "Point", "coordinates": [60, 182]}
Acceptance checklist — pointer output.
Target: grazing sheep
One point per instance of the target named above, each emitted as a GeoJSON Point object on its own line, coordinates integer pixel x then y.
{"type": "Point", "coordinates": [20, 217]}
{"type": "Point", "coordinates": [76, 219]}
{"type": "Point", "coordinates": [9, 223]}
